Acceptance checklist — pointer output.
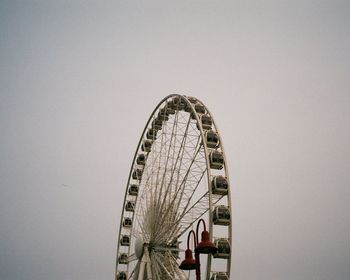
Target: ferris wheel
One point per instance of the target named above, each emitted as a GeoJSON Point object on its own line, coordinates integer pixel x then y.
{"type": "Point", "coordinates": [178, 185]}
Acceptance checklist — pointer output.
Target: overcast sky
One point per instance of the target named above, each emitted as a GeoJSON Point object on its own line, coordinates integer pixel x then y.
{"type": "Point", "coordinates": [78, 80]}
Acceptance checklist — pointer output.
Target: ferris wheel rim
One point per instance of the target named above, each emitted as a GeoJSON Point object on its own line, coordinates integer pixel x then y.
{"type": "Point", "coordinates": [228, 178]}
{"type": "Point", "coordinates": [208, 169]}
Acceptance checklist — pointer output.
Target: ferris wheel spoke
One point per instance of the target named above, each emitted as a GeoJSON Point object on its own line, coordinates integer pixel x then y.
{"type": "Point", "coordinates": [132, 258]}
{"type": "Point", "coordinates": [198, 209]}
{"type": "Point", "coordinates": [156, 271]}
{"type": "Point", "coordinates": [139, 222]}
{"type": "Point", "coordinates": [136, 268]}
{"type": "Point", "coordinates": [178, 271]}
{"type": "Point", "coordinates": [156, 167]}
{"type": "Point", "coordinates": [148, 197]}
{"type": "Point", "coordinates": [160, 261]}
{"type": "Point", "coordinates": [172, 265]}
{"type": "Point", "coordinates": [168, 192]}
{"type": "Point", "coordinates": [182, 186]}
{"type": "Point", "coordinates": [189, 198]}
{"type": "Point", "coordinates": [197, 151]}
{"type": "Point", "coordinates": [180, 191]}
{"type": "Point", "coordinates": [179, 188]}
{"type": "Point", "coordinates": [174, 130]}
{"type": "Point", "coordinates": [159, 162]}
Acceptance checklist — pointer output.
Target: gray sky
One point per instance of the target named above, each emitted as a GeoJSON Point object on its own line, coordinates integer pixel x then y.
{"type": "Point", "coordinates": [79, 78]}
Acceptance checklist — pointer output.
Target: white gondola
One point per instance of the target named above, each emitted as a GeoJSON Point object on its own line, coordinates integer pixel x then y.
{"type": "Point", "coordinates": [193, 101]}
{"type": "Point", "coordinates": [206, 122]}
{"type": "Point", "coordinates": [216, 160]}
{"type": "Point", "coordinates": [123, 258]}
{"type": "Point", "coordinates": [219, 276]}
{"type": "Point", "coordinates": [224, 248]}
{"type": "Point", "coordinates": [221, 215]}
{"type": "Point", "coordinates": [212, 139]}
{"type": "Point", "coordinates": [163, 118]}
{"type": "Point", "coordinates": [137, 174]}
{"type": "Point", "coordinates": [133, 189]}
{"type": "Point", "coordinates": [200, 109]}
{"type": "Point", "coordinates": [163, 114]}
{"type": "Point", "coordinates": [165, 111]}
{"type": "Point", "coordinates": [170, 111]}
{"type": "Point", "coordinates": [127, 223]}
{"type": "Point", "coordinates": [125, 240]}
{"type": "Point", "coordinates": [170, 108]}
{"type": "Point", "coordinates": [177, 103]}
{"type": "Point", "coordinates": [141, 159]}
{"type": "Point", "coordinates": [122, 275]}
{"type": "Point", "coordinates": [157, 124]}
{"type": "Point", "coordinates": [151, 134]}
{"type": "Point", "coordinates": [146, 146]}
{"type": "Point", "coordinates": [130, 206]}
{"type": "Point", "coordinates": [219, 185]}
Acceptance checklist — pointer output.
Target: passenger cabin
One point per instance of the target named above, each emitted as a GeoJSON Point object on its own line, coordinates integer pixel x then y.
{"type": "Point", "coordinates": [170, 106]}
{"type": "Point", "coordinates": [157, 124]}
{"type": "Point", "coordinates": [130, 206]}
{"type": "Point", "coordinates": [216, 160]}
{"type": "Point", "coordinates": [221, 215]}
{"type": "Point", "coordinates": [127, 223]}
{"type": "Point", "coordinates": [219, 185]}
{"type": "Point", "coordinates": [141, 159]}
{"type": "Point", "coordinates": [146, 146]}
{"type": "Point", "coordinates": [178, 103]}
{"type": "Point", "coordinates": [137, 174]}
{"type": "Point", "coordinates": [224, 248]}
{"type": "Point", "coordinates": [193, 100]}
{"type": "Point", "coordinates": [188, 108]}
{"type": "Point", "coordinates": [122, 275]}
{"type": "Point", "coordinates": [212, 139]}
{"type": "Point", "coordinates": [200, 109]}
{"type": "Point", "coordinates": [163, 118]}
{"type": "Point", "coordinates": [125, 240]}
{"type": "Point", "coordinates": [206, 122]}
{"type": "Point", "coordinates": [123, 258]}
{"type": "Point", "coordinates": [169, 110]}
{"type": "Point", "coordinates": [133, 189]}
{"type": "Point", "coordinates": [219, 276]}
{"type": "Point", "coordinates": [151, 134]}
{"type": "Point", "coordinates": [163, 114]}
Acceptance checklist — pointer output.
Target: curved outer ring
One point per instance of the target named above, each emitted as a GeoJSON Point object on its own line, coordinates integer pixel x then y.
{"type": "Point", "coordinates": [210, 192]}
{"type": "Point", "coordinates": [208, 176]}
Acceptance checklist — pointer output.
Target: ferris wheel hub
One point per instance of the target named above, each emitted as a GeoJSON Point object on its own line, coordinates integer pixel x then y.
{"type": "Point", "coordinates": [139, 248]}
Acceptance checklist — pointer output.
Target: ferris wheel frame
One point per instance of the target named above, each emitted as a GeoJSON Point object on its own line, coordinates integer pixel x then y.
{"type": "Point", "coordinates": [207, 151]}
